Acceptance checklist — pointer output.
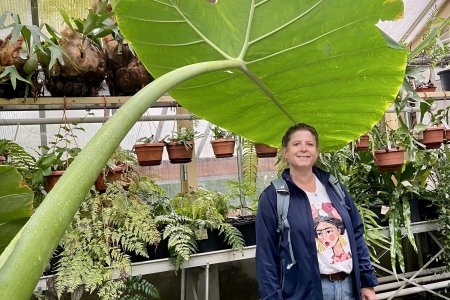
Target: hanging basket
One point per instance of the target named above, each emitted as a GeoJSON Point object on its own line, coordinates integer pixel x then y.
{"type": "Point", "coordinates": [223, 147]}
{"type": "Point", "coordinates": [180, 153]}
{"type": "Point", "coordinates": [51, 180]}
{"type": "Point", "coordinates": [433, 137]}
{"type": "Point", "coordinates": [149, 154]}
{"type": "Point", "coordinates": [263, 150]}
{"type": "Point", "coordinates": [111, 175]}
{"type": "Point", "coordinates": [426, 89]}
{"type": "Point", "coordinates": [362, 143]}
{"type": "Point", "coordinates": [389, 159]}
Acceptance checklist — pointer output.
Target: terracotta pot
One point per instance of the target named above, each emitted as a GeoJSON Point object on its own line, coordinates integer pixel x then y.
{"type": "Point", "coordinates": [447, 136]}
{"type": "Point", "coordinates": [263, 150]}
{"type": "Point", "coordinates": [362, 143]}
{"type": "Point", "coordinates": [389, 160]}
{"type": "Point", "coordinates": [223, 147]}
{"type": "Point", "coordinates": [433, 137]}
{"type": "Point", "coordinates": [50, 180]}
{"type": "Point", "coordinates": [149, 154]}
{"type": "Point", "coordinates": [112, 175]}
{"type": "Point", "coordinates": [179, 153]}
{"type": "Point", "coordinates": [426, 90]}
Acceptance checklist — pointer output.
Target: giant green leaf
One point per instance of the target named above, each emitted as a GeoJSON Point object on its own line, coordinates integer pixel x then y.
{"type": "Point", "coordinates": [16, 204]}
{"type": "Point", "coordinates": [322, 62]}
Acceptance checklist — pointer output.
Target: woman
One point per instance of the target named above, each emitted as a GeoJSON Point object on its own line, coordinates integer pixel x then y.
{"type": "Point", "coordinates": [331, 257]}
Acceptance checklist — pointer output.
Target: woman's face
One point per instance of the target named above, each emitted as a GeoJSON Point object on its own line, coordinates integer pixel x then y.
{"type": "Point", "coordinates": [301, 150]}
{"type": "Point", "coordinates": [327, 234]}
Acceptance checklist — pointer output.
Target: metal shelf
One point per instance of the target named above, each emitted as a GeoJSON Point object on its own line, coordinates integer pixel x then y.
{"type": "Point", "coordinates": [164, 265]}
{"type": "Point", "coordinates": [57, 103]}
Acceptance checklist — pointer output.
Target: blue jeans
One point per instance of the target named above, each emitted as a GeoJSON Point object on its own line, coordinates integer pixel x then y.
{"type": "Point", "coordinates": [339, 289]}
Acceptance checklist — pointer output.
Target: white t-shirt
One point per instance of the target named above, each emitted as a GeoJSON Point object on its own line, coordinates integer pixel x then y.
{"type": "Point", "coordinates": [333, 247]}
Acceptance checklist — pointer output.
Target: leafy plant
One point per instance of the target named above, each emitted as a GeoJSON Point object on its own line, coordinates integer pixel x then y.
{"type": "Point", "coordinates": [20, 51]}
{"type": "Point", "coordinates": [183, 135]}
{"type": "Point", "coordinates": [147, 140]}
{"type": "Point", "coordinates": [258, 59]}
{"type": "Point", "coordinates": [193, 212]}
{"type": "Point", "coordinates": [219, 133]}
{"type": "Point", "coordinates": [62, 151]}
{"type": "Point", "coordinates": [106, 229]}
{"type": "Point", "coordinates": [96, 25]}
{"type": "Point", "coordinates": [137, 288]}
{"type": "Point", "coordinates": [17, 157]}
{"type": "Point", "coordinates": [16, 202]}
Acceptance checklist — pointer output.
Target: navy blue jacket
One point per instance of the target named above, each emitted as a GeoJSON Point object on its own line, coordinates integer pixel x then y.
{"type": "Point", "coordinates": [302, 281]}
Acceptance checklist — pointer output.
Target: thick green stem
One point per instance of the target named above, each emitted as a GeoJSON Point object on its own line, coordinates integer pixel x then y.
{"type": "Point", "coordinates": [30, 252]}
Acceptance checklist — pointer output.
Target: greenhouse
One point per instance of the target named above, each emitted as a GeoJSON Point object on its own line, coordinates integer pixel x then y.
{"type": "Point", "coordinates": [224, 149]}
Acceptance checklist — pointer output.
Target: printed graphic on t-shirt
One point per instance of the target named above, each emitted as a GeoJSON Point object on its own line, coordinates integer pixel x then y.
{"type": "Point", "coordinates": [333, 248]}
{"type": "Point", "coordinates": [329, 230]}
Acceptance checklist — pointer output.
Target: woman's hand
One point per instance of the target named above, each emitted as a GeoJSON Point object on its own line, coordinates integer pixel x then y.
{"type": "Point", "coordinates": [368, 293]}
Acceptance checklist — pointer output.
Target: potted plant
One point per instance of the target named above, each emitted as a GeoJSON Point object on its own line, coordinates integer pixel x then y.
{"type": "Point", "coordinates": [425, 86]}
{"type": "Point", "coordinates": [432, 135]}
{"type": "Point", "coordinates": [362, 143]}
{"type": "Point", "coordinates": [263, 150]}
{"type": "Point", "coordinates": [222, 142]}
{"type": "Point", "coordinates": [149, 151]}
{"type": "Point", "coordinates": [388, 155]}
{"type": "Point", "coordinates": [180, 145]}
{"type": "Point", "coordinates": [118, 168]}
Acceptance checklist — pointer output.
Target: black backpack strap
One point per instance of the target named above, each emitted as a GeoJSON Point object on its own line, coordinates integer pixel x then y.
{"type": "Point", "coordinates": [283, 197]}
{"type": "Point", "coordinates": [339, 191]}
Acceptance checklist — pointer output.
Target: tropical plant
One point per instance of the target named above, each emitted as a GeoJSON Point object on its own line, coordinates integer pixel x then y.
{"type": "Point", "coordinates": [17, 157]}
{"type": "Point", "coordinates": [259, 68]}
{"type": "Point", "coordinates": [105, 231]}
{"type": "Point", "coordinates": [16, 202]}
{"type": "Point", "coordinates": [59, 155]}
{"type": "Point", "coordinates": [19, 55]}
{"type": "Point", "coordinates": [84, 63]}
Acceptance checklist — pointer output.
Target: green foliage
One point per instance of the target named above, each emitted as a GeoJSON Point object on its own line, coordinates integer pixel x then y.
{"type": "Point", "coordinates": [96, 25]}
{"type": "Point", "coordinates": [105, 230]}
{"type": "Point", "coordinates": [183, 135]}
{"type": "Point", "coordinates": [17, 157]}
{"type": "Point", "coordinates": [137, 288]}
{"type": "Point", "coordinates": [194, 212]}
{"type": "Point", "coordinates": [147, 140]}
{"type": "Point", "coordinates": [202, 204]}
{"type": "Point", "coordinates": [220, 133]}
{"type": "Point", "coordinates": [35, 42]}
{"type": "Point", "coordinates": [439, 194]}
{"type": "Point", "coordinates": [270, 51]}
{"type": "Point", "coordinates": [16, 204]}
